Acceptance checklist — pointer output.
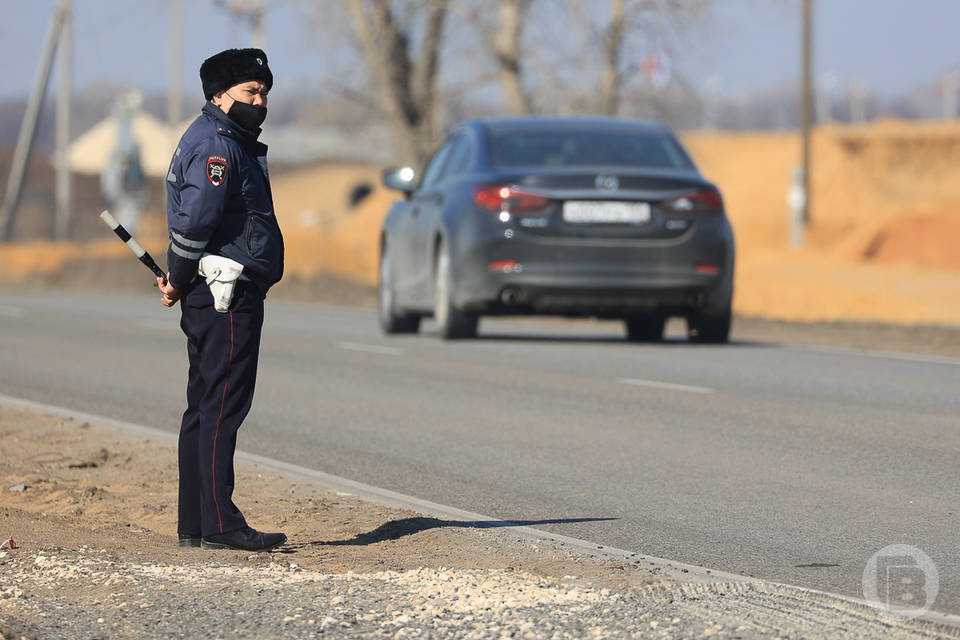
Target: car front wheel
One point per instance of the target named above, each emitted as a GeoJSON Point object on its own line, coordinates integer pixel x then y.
{"type": "Point", "coordinates": [452, 322]}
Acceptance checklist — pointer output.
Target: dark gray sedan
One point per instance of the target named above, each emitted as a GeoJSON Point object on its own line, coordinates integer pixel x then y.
{"type": "Point", "coordinates": [593, 217]}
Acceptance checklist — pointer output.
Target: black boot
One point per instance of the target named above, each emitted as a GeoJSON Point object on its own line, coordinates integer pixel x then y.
{"type": "Point", "coordinates": [244, 539]}
{"type": "Point", "coordinates": [188, 541]}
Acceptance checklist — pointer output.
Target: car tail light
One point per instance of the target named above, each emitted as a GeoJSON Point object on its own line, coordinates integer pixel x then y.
{"type": "Point", "coordinates": [505, 266]}
{"type": "Point", "coordinates": [503, 198]}
{"type": "Point", "coordinates": [702, 201]}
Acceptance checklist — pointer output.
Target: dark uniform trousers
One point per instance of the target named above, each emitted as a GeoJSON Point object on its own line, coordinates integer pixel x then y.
{"type": "Point", "coordinates": [223, 350]}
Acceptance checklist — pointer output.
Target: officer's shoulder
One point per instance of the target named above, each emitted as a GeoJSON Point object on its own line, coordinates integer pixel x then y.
{"type": "Point", "coordinates": [222, 136]}
{"type": "Point", "coordinates": [197, 134]}
{"type": "Point", "coordinates": [209, 139]}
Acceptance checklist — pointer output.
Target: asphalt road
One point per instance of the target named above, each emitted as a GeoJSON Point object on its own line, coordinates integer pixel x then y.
{"type": "Point", "coordinates": [794, 464]}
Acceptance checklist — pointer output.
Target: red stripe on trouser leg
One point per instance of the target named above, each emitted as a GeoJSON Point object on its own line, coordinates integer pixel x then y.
{"type": "Point", "coordinates": [223, 401]}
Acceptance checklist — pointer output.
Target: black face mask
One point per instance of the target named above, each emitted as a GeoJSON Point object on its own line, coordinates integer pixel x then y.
{"type": "Point", "coordinates": [248, 116]}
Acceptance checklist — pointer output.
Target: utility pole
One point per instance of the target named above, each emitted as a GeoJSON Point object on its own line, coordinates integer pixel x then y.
{"type": "Point", "coordinates": [259, 35]}
{"type": "Point", "coordinates": [174, 89]}
{"type": "Point", "coordinates": [802, 215]}
{"type": "Point", "coordinates": [28, 127]}
{"type": "Point", "coordinates": [64, 190]}
{"type": "Point", "coordinates": [949, 87]}
{"type": "Point", "coordinates": [252, 10]}
{"type": "Point", "coordinates": [807, 107]}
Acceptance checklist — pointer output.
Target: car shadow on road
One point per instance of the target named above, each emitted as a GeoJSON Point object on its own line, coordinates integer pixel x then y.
{"type": "Point", "coordinates": [585, 338]}
{"type": "Point", "coordinates": [530, 337]}
{"type": "Point", "coordinates": [396, 529]}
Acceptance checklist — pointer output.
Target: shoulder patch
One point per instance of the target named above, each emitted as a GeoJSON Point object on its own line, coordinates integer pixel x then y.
{"type": "Point", "coordinates": [216, 170]}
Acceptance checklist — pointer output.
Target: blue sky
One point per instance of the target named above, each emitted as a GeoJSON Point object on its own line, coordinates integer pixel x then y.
{"type": "Point", "coordinates": [890, 45]}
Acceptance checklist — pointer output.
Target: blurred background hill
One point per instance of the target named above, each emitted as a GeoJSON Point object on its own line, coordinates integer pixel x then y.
{"type": "Point", "coordinates": [884, 199]}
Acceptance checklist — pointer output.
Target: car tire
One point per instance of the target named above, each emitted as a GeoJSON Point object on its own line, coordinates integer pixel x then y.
{"type": "Point", "coordinates": [706, 327]}
{"type": "Point", "coordinates": [645, 328]}
{"type": "Point", "coordinates": [391, 320]}
{"type": "Point", "coordinates": [452, 322]}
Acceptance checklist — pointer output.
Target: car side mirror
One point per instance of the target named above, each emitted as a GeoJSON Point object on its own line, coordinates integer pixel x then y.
{"type": "Point", "coordinates": [400, 179]}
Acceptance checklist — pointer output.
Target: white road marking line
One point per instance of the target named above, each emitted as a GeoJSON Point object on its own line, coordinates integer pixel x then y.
{"type": "Point", "coordinates": [656, 384]}
{"type": "Point", "coordinates": [370, 348]}
{"type": "Point", "coordinates": [889, 355]}
{"type": "Point", "coordinates": [11, 312]}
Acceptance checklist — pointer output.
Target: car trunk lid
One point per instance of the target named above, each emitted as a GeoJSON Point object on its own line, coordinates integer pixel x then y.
{"type": "Point", "coordinates": [597, 203]}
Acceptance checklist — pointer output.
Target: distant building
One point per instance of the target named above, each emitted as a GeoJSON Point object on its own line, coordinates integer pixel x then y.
{"type": "Point", "coordinates": [290, 145]}
{"type": "Point", "coordinates": [90, 153]}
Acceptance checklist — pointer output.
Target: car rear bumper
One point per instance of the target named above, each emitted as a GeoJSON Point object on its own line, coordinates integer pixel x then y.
{"type": "Point", "coordinates": [594, 296]}
{"type": "Point", "coordinates": [611, 278]}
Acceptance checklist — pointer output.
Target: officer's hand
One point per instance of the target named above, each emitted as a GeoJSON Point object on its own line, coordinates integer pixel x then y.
{"type": "Point", "coordinates": [169, 295]}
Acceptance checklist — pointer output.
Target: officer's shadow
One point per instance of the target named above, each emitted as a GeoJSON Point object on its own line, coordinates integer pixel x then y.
{"type": "Point", "coordinates": [396, 529]}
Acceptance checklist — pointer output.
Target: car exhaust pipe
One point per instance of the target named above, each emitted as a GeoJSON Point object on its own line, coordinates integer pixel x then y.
{"type": "Point", "coordinates": [510, 296]}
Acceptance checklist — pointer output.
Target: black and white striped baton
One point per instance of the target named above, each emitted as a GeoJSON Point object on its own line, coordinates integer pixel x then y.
{"type": "Point", "coordinates": [138, 251]}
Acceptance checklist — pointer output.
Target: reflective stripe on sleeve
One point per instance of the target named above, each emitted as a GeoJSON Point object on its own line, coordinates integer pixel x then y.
{"type": "Point", "coordinates": [183, 253]}
{"type": "Point", "coordinates": [186, 242]}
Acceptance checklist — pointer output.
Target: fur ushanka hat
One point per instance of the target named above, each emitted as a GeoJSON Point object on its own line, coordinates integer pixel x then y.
{"type": "Point", "coordinates": [233, 66]}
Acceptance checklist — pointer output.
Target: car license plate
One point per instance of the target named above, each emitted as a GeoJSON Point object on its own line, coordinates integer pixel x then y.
{"type": "Point", "coordinates": [589, 211]}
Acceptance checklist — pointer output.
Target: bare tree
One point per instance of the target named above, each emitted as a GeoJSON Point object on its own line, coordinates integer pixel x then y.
{"type": "Point", "coordinates": [612, 47]}
{"type": "Point", "coordinates": [400, 45]}
{"type": "Point", "coordinates": [648, 19]}
{"type": "Point", "coordinates": [405, 80]}
{"type": "Point", "coordinates": [503, 39]}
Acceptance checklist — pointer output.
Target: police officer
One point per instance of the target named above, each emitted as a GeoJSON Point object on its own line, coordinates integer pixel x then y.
{"type": "Point", "coordinates": [226, 251]}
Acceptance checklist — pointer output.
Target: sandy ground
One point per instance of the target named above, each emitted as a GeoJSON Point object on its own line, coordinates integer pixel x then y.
{"type": "Point", "coordinates": [68, 485]}
{"type": "Point", "coordinates": [78, 474]}
{"type": "Point", "coordinates": [92, 515]}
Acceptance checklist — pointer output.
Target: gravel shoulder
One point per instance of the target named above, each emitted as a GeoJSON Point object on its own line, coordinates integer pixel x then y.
{"type": "Point", "coordinates": [92, 512]}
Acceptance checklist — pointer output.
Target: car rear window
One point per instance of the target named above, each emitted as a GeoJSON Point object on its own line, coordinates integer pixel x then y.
{"type": "Point", "coordinates": [585, 148]}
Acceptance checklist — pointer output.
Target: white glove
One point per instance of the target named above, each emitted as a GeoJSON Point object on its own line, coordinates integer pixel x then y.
{"type": "Point", "coordinates": [221, 274]}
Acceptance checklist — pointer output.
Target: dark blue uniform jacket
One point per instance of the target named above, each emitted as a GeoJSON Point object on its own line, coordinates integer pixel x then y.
{"type": "Point", "coordinates": [219, 201]}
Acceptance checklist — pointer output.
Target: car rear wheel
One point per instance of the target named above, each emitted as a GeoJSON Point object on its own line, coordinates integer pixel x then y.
{"type": "Point", "coordinates": [452, 322]}
{"type": "Point", "coordinates": [709, 327]}
{"type": "Point", "coordinates": [391, 320]}
{"type": "Point", "coordinates": [645, 328]}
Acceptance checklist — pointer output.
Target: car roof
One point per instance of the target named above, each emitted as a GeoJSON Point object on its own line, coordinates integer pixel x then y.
{"type": "Point", "coordinates": [555, 123]}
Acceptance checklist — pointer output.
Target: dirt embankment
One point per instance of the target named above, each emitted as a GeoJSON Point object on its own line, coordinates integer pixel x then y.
{"type": "Point", "coordinates": [885, 211]}
{"type": "Point", "coordinates": [885, 208]}
{"type": "Point", "coordinates": [869, 185]}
